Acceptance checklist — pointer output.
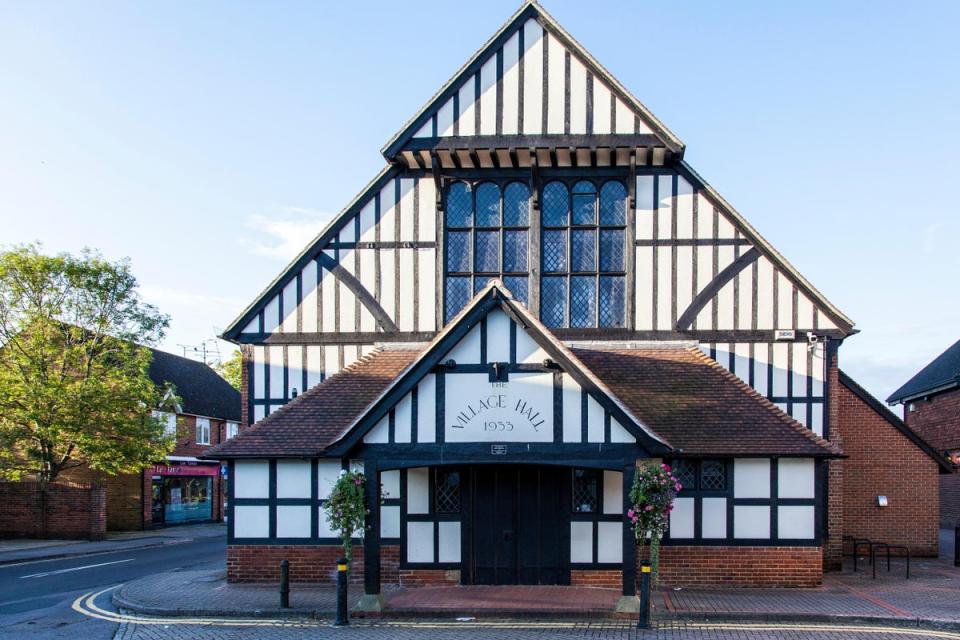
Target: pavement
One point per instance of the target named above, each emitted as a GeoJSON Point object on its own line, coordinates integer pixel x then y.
{"type": "Point", "coordinates": [931, 598]}
{"type": "Point", "coordinates": [27, 550]}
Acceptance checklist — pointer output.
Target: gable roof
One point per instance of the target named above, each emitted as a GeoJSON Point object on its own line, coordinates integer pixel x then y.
{"type": "Point", "coordinates": [306, 425]}
{"type": "Point", "coordinates": [941, 374]}
{"type": "Point", "coordinates": [201, 389]}
{"type": "Point", "coordinates": [530, 10]}
{"type": "Point", "coordinates": [897, 423]}
{"type": "Point", "coordinates": [673, 398]}
{"type": "Point", "coordinates": [700, 407]}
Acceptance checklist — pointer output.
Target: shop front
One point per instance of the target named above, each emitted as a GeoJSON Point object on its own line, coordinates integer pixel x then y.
{"type": "Point", "coordinates": [183, 491]}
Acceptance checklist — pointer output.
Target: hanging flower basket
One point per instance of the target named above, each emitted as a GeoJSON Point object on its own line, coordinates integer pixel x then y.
{"type": "Point", "coordinates": [651, 501]}
{"type": "Point", "coordinates": [346, 509]}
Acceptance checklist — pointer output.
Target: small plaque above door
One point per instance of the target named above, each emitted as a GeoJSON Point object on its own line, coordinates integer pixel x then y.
{"type": "Point", "coordinates": [498, 449]}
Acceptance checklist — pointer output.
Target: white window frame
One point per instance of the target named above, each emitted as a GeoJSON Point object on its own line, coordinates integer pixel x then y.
{"type": "Point", "coordinates": [203, 431]}
{"type": "Point", "coordinates": [233, 429]}
{"type": "Point", "coordinates": [169, 420]}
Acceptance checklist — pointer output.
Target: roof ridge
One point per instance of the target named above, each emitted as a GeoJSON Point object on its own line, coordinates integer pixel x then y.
{"type": "Point", "coordinates": [777, 411]}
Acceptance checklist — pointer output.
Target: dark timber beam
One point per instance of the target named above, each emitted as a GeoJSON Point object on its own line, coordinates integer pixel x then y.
{"type": "Point", "coordinates": [550, 141]}
{"type": "Point", "coordinates": [686, 319]}
{"type": "Point", "coordinates": [364, 296]}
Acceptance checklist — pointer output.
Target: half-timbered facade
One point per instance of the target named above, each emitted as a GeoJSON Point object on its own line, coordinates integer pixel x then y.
{"type": "Point", "coordinates": [533, 295]}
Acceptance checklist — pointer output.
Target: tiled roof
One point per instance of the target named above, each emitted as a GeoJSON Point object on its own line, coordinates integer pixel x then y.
{"type": "Point", "coordinates": [941, 374]}
{"type": "Point", "coordinates": [201, 390]}
{"type": "Point", "coordinates": [682, 395]}
{"type": "Point", "coordinates": [697, 405]}
{"type": "Point", "coordinates": [304, 426]}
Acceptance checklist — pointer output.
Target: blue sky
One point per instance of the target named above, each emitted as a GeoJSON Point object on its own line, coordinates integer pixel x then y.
{"type": "Point", "coordinates": [210, 141]}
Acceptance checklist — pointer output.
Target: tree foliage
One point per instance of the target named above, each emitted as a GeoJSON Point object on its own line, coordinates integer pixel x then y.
{"type": "Point", "coordinates": [74, 383]}
{"type": "Point", "coordinates": [231, 370]}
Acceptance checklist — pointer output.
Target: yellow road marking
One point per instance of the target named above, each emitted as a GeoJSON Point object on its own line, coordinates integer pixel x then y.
{"type": "Point", "coordinates": [86, 605]}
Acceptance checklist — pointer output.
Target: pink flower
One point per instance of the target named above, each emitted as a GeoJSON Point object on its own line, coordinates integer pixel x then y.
{"type": "Point", "coordinates": [649, 507]}
{"type": "Point", "coordinates": [630, 513]}
{"type": "Point", "coordinates": [665, 467]}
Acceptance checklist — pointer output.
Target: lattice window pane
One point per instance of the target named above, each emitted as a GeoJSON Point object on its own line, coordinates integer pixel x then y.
{"type": "Point", "coordinates": [583, 301]}
{"type": "Point", "coordinates": [488, 205]}
{"type": "Point", "coordinates": [459, 205]}
{"type": "Point", "coordinates": [613, 203]}
{"type": "Point", "coordinates": [516, 205]}
{"type": "Point", "coordinates": [514, 251]}
{"type": "Point", "coordinates": [584, 209]}
{"type": "Point", "coordinates": [583, 252]}
{"type": "Point", "coordinates": [457, 295]}
{"type": "Point", "coordinates": [611, 301]}
{"type": "Point", "coordinates": [555, 205]}
{"type": "Point", "coordinates": [488, 252]}
{"type": "Point", "coordinates": [479, 283]}
{"type": "Point", "coordinates": [554, 251]}
{"type": "Point", "coordinates": [446, 496]}
{"type": "Point", "coordinates": [458, 252]}
{"type": "Point", "coordinates": [519, 287]}
{"type": "Point", "coordinates": [584, 186]}
{"type": "Point", "coordinates": [686, 472]}
{"type": "Point", "coordinates": [611, 250]}
{"type": "Point", "coordinates": [713, 475]}
{"type": "Point", "coordinates": [586, 491]}
{"type": "Point", "coordinates": [553, 301]}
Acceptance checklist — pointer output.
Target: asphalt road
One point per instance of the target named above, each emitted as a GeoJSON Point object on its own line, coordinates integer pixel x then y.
{"type": "Point", "coordinates": [35, 597]}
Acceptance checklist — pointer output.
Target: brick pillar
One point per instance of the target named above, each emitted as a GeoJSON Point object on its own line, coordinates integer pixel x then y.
{"type": "Point", "coordinates": [833, 544]}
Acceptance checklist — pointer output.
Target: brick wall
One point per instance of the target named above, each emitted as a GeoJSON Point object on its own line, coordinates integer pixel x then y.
{"type": "Point", "coordinates": [950, 500]}
{"type": "Point", "coordinates": [883, 461]}
{"type": "Point", "coordinates": [833, 541]}
{"type": "Point", "coordinates": [246, 356]}
{"type": "Point", "coordinates": [692, 566]}
{"type": "Point", "coordinates": [308, 563]}
{"type": "Point", "coordinates": [34, 510]}
{"type": "Point", "coordinates": [429, 577]}
{"type": "Point", "coordinates": [125, 502]}
{"type": "Point", "coordinates": [937, 420]}
{"type": "Point", "coordinates": [602, 578]}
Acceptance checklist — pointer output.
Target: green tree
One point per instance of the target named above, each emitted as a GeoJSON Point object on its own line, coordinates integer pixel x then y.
{"type": "Point", "coordinates": [74, 383]}
{"type": "Point", "coordinates": [232, 369]}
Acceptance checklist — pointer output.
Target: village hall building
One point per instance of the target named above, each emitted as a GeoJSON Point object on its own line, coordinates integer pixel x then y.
{"type": "Point", "coordinates": [535, 295]}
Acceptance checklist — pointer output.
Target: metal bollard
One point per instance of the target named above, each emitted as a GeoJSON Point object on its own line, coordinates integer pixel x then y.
{"type": "Point", "coordinates": [644, 621]}
{"type": "Point", "coordinates": [956, 546]}
{"type": "Point", "coordinates": [341, 593]}
{"type": "Point", "coordinates": [284, 584]}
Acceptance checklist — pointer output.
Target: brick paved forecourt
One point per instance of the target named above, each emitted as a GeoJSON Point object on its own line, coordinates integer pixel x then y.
{"type": "Point", "coordinates": [931, 598]}
{"type": "Point", "coordinates": [533, 630]}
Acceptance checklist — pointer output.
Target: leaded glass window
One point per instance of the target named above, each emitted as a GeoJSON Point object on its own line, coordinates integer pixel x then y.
{"type": "Point", "coordinates": [713, 476]}
{"type": "Point", "coordinates": [487, 236]}
{"type": "Point", "coordinates": [586, 491]}
{"type": "Point", "coordinates": [446, 491]}
{"type": "Point", "coordinates": [583, 254]}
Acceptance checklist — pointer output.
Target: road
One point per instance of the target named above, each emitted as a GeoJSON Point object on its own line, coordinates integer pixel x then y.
{"type": "Point", "coordinates": [35, 597]}
{"type": "Point", "coordinates": [37, 603]}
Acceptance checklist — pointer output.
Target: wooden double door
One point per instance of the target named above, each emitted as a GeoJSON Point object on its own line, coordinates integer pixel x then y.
{"type": "Point", "coordinates": [520, 525]}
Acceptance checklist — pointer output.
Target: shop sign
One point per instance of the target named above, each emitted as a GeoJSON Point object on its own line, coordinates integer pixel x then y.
{"type": "Point", "coordinates": [184, 469]}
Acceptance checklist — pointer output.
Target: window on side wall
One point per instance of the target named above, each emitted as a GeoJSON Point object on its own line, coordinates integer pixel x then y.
{"type": "Point", "coordinates": [203, 431]}
{"type": "Point", "coordinates": [232, 429]}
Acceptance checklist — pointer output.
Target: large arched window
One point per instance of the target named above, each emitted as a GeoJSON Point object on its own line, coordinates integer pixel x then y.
{"type": "Point", "coordinates": [583, 254]}
{"type": "Point", "coordinates": [487, 236]}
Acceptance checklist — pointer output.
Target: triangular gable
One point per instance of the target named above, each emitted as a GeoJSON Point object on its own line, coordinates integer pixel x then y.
{"type": "Point", "coordinates": [456, 341]}
{"type": "Point", "coordinates": [532, 79]}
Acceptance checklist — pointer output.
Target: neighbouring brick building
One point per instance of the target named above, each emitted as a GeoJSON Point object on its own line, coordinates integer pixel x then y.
{"type": "Point", "coordinates": [185, 488]}
{"type": "Point", "coordinates": [931, 406]}
{"type": "Point", "coordinates": [534, 296]}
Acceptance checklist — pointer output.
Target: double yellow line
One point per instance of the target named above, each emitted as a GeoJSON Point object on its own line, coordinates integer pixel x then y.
{"type": "Point", "coordinates": [87, 605]}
